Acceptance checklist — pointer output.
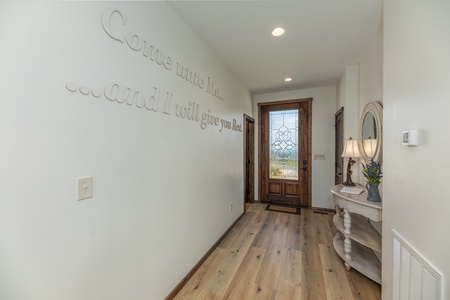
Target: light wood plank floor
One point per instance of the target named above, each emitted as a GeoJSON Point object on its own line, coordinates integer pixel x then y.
{"type": "Point", "coordinates": [271, 255]}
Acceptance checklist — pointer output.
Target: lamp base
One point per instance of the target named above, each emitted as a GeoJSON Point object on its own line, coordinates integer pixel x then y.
{"type": "Point", "coordinates": [349, 182]}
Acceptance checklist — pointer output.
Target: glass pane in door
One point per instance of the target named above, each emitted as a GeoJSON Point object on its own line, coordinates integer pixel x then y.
{"type": "Point", "coordinates": [283, 157]}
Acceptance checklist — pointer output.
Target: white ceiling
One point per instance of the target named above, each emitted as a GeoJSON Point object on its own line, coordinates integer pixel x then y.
{"type": "Point", "coordinates": [323, 37]}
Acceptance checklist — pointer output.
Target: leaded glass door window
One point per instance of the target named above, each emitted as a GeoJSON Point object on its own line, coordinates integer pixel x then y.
{"type": "Point", "coordinates": [283, 138]}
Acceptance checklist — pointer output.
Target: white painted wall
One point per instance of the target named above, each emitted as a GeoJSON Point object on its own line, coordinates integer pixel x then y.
{"type": "Point", "coordinates": [364, 82]}
{"type": "Point", "coordinates": [323, 110]}
{"type": "Point", "coordinates": [416, 95]}
{"type": "Point", "coordinates": [366, 86]}
{"type": "Point", "coordinates": [348, 97]}
{"type": "Point", "coordinates": [371, 74]}
{"type": "Point", "coordinates": [340, 92]}
{"type": "Point", "coordinates": [351, 106]}
{"type": "Point", "coordinates": [159, 180]}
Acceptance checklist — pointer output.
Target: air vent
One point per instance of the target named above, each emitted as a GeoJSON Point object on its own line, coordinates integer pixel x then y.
{"type": "Point", "coordinates": [413, 276]}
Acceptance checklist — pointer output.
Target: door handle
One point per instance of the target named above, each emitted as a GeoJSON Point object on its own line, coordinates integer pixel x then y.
{"type": "Point", "coordinates": [304, 162]}
{"type": "Point", "coordinates": [304, 168]}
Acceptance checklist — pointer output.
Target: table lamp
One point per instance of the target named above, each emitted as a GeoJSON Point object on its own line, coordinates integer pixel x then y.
{"type": "Point", "coordinates": [350, 151]}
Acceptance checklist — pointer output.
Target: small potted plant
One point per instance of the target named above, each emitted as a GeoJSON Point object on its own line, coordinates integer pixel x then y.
{"type": "Point", "coordinates": [373, 174]}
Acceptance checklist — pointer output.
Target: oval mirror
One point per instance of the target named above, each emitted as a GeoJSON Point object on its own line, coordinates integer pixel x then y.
{"type": "Point", "coordinates": [370, 132]}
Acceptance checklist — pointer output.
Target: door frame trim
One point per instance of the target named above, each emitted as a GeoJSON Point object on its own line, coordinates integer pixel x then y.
{"type": "Point", "coordinates": [336, 154]}
{"type": "Point", "coordinates": [309, 148]}
{"type": "Point", "coordinates": [249, 119]}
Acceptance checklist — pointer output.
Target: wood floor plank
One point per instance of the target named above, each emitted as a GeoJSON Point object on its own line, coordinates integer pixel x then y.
{"type": "Point", "coordinates": [254, 292]}
{"type": "Point", "coordinates": [237, 230]}
{"type": "Point", "coordinates": [267, 225]}
{"type": "Point", "coordinates": [336, 284]}
{"type": "Point", "coordinates": [246, 275]}
{"type": "Point", "coordinates": [268, 274]}
{"type": "Point", "coordinates": [362, 288]}
{"type": "Point", "coordinates": [292, 266]}
{"type": "Point", "coordinates": [289, 284]}
{"type": "Point", "coordinates": [282, 225]}
{"type": "Point", "coordinates": [313, 285]}
{"type": "Point", "coordinates": [221, 279]}
{"type": "Point", "coordinates": [278, 256]}
{"type": "Point", "coordinates": [324, 234]}
{"type": "Point", "coordinates": [208, 295]}
{"type": "Point", "coordinates": [288, 292]}
{"type": "Point", "coordinates": [196, 284]}
{"type": "Point", "coordinates": [293, 236]}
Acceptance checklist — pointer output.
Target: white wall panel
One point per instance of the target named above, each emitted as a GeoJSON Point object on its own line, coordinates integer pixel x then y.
{"type": "Point", "coordinates": [159, 180]}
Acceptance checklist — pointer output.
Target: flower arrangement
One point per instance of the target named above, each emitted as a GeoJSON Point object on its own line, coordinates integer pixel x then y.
{"type": "Point", "coordinates": [372, 172]}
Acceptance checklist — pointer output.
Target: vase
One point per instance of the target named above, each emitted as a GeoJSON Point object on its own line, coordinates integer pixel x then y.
{"type": "Point", "coordinates": [373, 192]}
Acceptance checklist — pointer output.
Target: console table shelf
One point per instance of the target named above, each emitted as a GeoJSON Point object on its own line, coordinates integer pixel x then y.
{"type": "Point", "coordinates": [363, 259]}
{"type": "Point", "coordinates": [357, 238]}
{"type": "Point", "coordinates": [362, 231]}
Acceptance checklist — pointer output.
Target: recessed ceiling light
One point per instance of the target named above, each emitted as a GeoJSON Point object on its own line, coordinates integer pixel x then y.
{"type": "Point", "coordinates": [278, 31]}
{"type": "Point", "coordinates": [288, 79]}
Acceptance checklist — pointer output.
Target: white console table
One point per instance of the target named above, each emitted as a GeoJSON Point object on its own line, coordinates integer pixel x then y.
{"type": "Point", "coordinates": [357, 240]}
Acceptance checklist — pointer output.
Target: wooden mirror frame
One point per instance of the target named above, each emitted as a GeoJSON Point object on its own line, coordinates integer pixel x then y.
{"type": "Point", "coordinates": [376, 109]}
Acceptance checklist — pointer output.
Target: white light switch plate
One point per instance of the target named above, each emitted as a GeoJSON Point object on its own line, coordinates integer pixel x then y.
{"type": "Point", "coordinates": [84, 187]}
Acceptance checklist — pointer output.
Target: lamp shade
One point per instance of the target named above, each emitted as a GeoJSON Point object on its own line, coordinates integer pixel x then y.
{"type": "Point", "coordinates": [370, 147]}
{"type": "Point", "coordinates": [351, 148]}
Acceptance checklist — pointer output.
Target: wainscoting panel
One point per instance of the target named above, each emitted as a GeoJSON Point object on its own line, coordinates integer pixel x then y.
{"type": "Point", "coordinates": [413, 277]}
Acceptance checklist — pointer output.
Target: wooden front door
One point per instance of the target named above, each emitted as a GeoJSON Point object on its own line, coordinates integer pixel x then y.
{"type": "Point", "coordinates": [284, 153]}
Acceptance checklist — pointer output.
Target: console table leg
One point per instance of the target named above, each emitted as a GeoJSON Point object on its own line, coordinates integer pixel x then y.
{"type": "Point", "coordinates": [348, 251]}
{"type": "Point", "coordinates": [347, 222]}
{"type": "Point", "coordinates": [347, 241]}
